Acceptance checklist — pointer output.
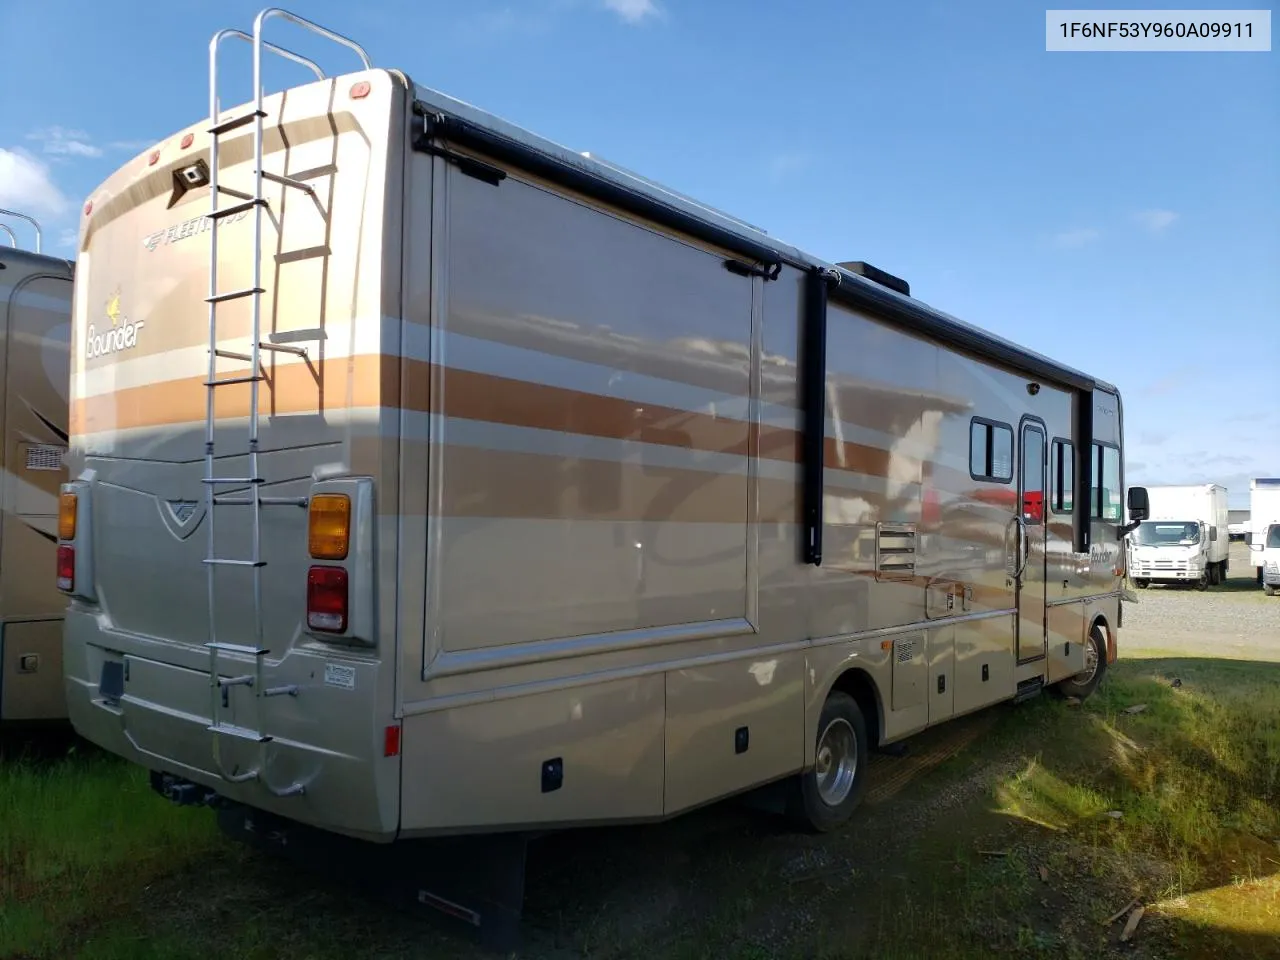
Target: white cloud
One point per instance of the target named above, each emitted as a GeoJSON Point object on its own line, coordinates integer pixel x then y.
{"type": "Point", "coordinates": [25, 185]}
{"type": "Point", "coordinates": [68, 240]}
{"type": "Point", "coordinates": [633, 11]}
{"type": "Point", "coordinates": [61, 142]}
{"type": "Point", "coordinates": [1077, 238]}
{"type": "Point", "coordinates": [1157, 221]}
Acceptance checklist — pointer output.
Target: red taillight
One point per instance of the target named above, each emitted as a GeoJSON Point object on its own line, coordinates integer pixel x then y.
{"type": "Point", "coordinates": [66, 568]}
{"type": "Point", "coordinates": [327, 599]}
{"type": "Point", "coordinates": [391, 742]}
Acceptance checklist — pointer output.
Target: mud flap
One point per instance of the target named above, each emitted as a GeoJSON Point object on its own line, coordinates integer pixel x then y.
{"type": "Point", "coordinates": [477, 881]}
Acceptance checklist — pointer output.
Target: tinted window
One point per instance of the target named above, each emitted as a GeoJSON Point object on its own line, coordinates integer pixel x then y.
{"type": "Point", "coordinates": [991, 451]}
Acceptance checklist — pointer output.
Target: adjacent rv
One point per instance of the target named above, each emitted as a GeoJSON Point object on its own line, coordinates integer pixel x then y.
{"type": "Point", "coordinates": [431, 478]}
{"type": "Point", "coordinates": [1264, 539]}
{"type": "Point", "coordinates": [35, 309]}
{"type": "Point", "coordinates": [1185, 539]}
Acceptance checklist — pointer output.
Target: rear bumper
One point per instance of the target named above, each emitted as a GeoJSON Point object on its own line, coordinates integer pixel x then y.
{"type": "Point", "coordinates": [325, 740]}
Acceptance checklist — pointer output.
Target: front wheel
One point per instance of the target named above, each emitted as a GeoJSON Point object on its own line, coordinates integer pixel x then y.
{"type": "Point", "coordinates": [1142, 584]}
{"type": "Point", "coordinates": [1203, 582]}
{"type": "Point", "coordinates": [1269, 590]}
{"type": "Point", "coordinates": [831, 792]}
{"type": "Point", "coordinates": [1095, 668]}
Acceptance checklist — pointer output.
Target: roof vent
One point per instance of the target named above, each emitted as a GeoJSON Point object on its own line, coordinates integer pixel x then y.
{"type": "Point", "coordinates": [863, 269]}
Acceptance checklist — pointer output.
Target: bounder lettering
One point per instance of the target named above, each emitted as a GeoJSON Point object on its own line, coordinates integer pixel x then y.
{"type": "Point", "coordinates": [116, 338]}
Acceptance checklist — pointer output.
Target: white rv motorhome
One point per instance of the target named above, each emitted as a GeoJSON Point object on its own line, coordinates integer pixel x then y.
{"type": "Point", "coordinates": [1184, 540]}
{"type": "Point", "coordinates": [35, 329]}
{"type": "Point", "coordinates": [1264, 537]}
{"type": "Point", "coordinates": [430, 478]}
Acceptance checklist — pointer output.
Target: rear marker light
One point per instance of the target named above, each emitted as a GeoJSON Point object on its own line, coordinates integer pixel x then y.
{"type": "Point", "coordinates": [391, 742]}
{"type": "Point", "coordinates": [67, 516]}
{"type": "Point", "coordinates": [88, 208]}
{"type": "Point", "coordinates": [155, 156]}
{"type": "Point", "coordinates": [329, 526]}
{"type": "Point", "coordinates": [66, 568]}
{"type": "Point", "coordinates": [327, 599]}
{"type": "Point", "coordinates": [187, 140]}
{"type": "Point", "coordinates": [360, 90]}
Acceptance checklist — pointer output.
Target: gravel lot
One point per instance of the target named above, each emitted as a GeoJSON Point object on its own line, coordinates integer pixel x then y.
{"type": "Point", "coordinates": [1234, 620]}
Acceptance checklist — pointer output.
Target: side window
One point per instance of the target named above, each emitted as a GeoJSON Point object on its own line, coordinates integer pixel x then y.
{"type": "Point", "coordinates": [1111, 505]}
{"type": "Point", "coordinates": [1062, 476]}
{"type": "Point", "coordinates": [990, 450]}
{"type": "Point", "coordinates": [1105, 492]}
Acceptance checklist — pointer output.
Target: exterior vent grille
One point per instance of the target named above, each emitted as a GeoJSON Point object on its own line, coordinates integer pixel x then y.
{"type": "Point", "coordinates": [906, 649]}
{"type": "Point", "coordinates": [896, 550]}
{"type": "Point", "coordinates": [44, 456]}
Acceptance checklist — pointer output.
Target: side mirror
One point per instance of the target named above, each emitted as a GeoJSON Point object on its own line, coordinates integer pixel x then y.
{"type": "Point", "coordinates": [1139, 505]}
{"type": "Point", "coordinates": [1139, 510]}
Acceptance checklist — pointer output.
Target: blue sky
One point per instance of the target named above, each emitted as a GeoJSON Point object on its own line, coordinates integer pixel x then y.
{"type": "Point", "coordinates": [1119, 212]}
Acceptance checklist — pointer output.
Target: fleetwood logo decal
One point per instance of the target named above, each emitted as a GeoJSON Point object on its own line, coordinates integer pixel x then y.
{"type": "Point", "coordinates": [187, 228]}
{"type": "Point", "coordinates": [123, 334]}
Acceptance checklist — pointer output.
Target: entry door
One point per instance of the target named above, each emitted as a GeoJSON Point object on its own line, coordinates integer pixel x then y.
{"type": "Point", "coordinates": [1031, 581]}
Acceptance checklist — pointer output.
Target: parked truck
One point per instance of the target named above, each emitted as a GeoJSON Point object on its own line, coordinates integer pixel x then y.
{"type": "Point", "coordinates": [1185, 539]}
{"type": "Point", "coordinates": [1264, 532]}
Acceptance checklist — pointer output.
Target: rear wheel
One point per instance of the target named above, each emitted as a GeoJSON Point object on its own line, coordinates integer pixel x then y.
{"type": "Point", "coordinates": [831, 792]}
{"type": "Point", "coordinates": [1269, 590]}
{"type": "Point", "coordinates": [1095, 667]}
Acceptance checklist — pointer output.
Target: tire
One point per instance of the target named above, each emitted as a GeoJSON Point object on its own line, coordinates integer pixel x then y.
{"type": "Point", "coordinates": [1142, 584]}
{"type": "Point", "coordinates": [1269, 590]}
{"type": "Point", "coordinates": [1085, 682]}
{"type": "Point", "coordinates": [829, 794]}
{"type": "Point", "coordinates": [1203, 583]}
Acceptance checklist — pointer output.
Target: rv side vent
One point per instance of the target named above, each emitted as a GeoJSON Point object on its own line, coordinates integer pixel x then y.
{"type": "Point", "coordinates": [863, 269]}
{"type": "Point", "coordinates": [896, 550]}
{"type": "Point", "coordinates": [906, 649]}
{"type": "Point", "coordinates": [44, 456]}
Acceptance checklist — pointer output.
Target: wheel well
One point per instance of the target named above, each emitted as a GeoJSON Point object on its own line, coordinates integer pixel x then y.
{"type": "Point", "coordinates": [858, 684]}
{"type": "Point", "coordinates": [1107, 634]}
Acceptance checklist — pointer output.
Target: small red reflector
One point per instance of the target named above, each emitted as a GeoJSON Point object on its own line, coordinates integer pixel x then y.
{"type": "Point", "coordinates": [151, 160]}
{"type": "Point", "coordinates": [188, 140]}
{"type": "Point", "coordinates": [360, 90]}
{"type": "Point", "coordinates": [391, 742]}
{"type": "Point", "coordinates": [327, 599]}
{"type": "Point", "coordinates": [66, 568]}
{"type": "Point", "coordinates": [88, 208]}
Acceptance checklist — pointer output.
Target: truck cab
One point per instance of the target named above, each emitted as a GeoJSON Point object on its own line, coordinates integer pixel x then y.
{"type": "Point", "coordinates": [1269, 558]}
{"type": "Point", "coordinates": [1171, 551]}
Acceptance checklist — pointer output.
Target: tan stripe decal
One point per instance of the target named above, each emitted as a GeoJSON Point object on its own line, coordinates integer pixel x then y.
{"type": "Point", "coordinates": [353, 381]}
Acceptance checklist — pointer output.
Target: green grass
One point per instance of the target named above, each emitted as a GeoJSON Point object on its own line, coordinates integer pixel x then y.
{"type": "Point", "coordinates": [1028, 863]}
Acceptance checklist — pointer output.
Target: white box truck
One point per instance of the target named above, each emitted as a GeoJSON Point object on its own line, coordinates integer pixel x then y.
{"type": "Point", "coordinates": [1264, 532]}
{"type": "Point", "coordinates": [1185, 538]}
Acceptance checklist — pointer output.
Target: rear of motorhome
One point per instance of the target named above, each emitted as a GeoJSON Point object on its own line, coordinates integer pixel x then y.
{"type": "Point", "coordinates": [431, 478]}
{"type": "Point", "coordinates": [35, 310]}
{"type": "Point", "coordinates": [1184, 541]}
{"type": "Point", "coordinates": [1264, 538]}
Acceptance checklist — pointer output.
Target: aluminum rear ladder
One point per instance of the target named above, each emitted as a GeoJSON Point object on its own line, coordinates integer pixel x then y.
{"type": "Point", "coordinates": [253, 480]}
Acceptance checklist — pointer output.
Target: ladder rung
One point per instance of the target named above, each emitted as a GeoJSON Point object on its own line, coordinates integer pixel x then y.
{"type": "Point", "coordinates": [232, 355]}
{"type": "Point", "coordinates": [240, 733]}
{"type": "Point", "coordinates": [236, 122]}
{"type": "Point", "coordinates": [225, 381]}
{"type": "Point", "coordinates": [288, 181]}
{"type": "Point", "coordinates": [234, 294]}
{"type": "Point", "coordinates": [237, 648]}
{"type": "Point", "coordinates": [233, 480]}
{"type": "Point", "coordinates": [220, 562]}
{"type": "Point", "coordinates": [283, 348]}
{"type": "Point", "coordinates": [236, 208]}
